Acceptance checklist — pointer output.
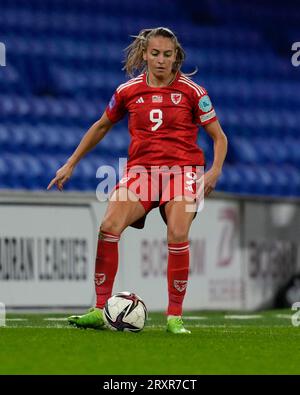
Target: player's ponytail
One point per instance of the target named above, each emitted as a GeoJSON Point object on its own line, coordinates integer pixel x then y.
{"type": "Point", "coordinates": [134, 62]}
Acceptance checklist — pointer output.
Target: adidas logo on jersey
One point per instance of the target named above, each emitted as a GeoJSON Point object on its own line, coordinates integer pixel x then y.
{"type": "Point", "coordinates": [140, 100]}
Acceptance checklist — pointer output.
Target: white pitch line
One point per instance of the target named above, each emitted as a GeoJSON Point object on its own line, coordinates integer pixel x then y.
{"type": "Point", "coordinates": [196, 326]}
{"type": "Point", "coordinates": [242, 317]}
{"type": "Point", "coordinates": [55, 319]}
{"type": "Point", "coordinates": [283, 316]}
{"type": "Point", "coordinates": [214, 326]}
{"type": "Point", "coordinates": [16, 319]}
{"type": "Point", "coordinates": [194, 318]}
{"type": "Point", "coordinates": [39, 327]}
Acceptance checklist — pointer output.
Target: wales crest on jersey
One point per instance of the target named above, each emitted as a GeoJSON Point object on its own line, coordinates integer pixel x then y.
{"type": "Point", "coordinates": [176, 97]}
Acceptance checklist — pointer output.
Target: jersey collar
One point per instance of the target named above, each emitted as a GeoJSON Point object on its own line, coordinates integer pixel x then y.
{"type": "Point", "coordinates": [176, 76]}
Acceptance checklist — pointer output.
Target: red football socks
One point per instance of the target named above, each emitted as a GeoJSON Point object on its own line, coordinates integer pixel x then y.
{"type": "Point", "coordinates": [178, 271]}
{"type": "Point", "coordinates": [106, 266]}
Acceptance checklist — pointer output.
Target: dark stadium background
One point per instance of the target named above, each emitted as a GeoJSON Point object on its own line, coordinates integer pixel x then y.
{"type": "Point", "coordinates": [64, 62]}
{"type": "Point", "coordinates": [60, 63]}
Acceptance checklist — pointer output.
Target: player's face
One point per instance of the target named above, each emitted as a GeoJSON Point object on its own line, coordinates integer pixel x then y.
{"type": "Point", "coordinates": [160, 56]}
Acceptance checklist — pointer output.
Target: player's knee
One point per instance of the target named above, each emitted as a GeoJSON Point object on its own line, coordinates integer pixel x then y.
{"type": "Point", "coordinates": [112, 226]}
{"type": "Point", "coordinates": [177, 235]}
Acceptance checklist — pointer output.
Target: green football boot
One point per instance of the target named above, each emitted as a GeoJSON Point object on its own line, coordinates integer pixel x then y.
{"type": "Point", "coordinates": [93, 319]}
{"type": "Point", "coordinates": [175, 325]}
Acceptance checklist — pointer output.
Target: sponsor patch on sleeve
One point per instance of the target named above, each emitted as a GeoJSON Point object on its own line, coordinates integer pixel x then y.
{"type": "Point", "coordinates": [208, 116]}
{"type": "Point", "coordinates": [205, 104]}
{"type": "Point", "coordinates": [112, 102]}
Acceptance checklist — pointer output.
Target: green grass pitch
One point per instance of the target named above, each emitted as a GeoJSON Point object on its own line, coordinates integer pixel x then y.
{"type": "Point", "coordinates": [266, 343]}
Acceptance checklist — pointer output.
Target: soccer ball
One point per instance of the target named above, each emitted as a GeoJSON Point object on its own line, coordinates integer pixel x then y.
{"type": "Point", "coordinates": [125, 311]}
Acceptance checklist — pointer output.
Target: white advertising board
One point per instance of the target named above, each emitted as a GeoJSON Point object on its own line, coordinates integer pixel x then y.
{"type": "Point", "coordinates": [46, 255]}
{"type": "Point", "coordinates": [271, 250]}
{"type": "Point", "coordinates": [215, 269]}
{"type": "Point", "coordinates": [241, 252]}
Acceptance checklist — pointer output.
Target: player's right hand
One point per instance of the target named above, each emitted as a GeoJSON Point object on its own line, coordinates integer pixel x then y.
{"type": "Point", "coordinates": [62, 176]}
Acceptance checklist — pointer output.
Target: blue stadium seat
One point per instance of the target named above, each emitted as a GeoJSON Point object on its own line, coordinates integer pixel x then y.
{"type": "Point", "coordinates": [4, 174]}
{"type": "Point", "coordinates": [5, 140]}
{"type": "Point", "coordinates": [17, 171]}
{"type": "Point", "coordinates": [249, 180]}
{"type": "Point", "coordinates": [293, 175]}
{"type": "Point", "coordinates": [65, 63]}
{"type": "Point", "coordinates": [33, 179]}
{"type": "Point", "coordinates": [244, 151]}
{"type": "Point", "coordinates": [84, 177]}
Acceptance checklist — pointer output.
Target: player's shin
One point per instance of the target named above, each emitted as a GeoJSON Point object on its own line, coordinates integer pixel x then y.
{"type": "Point", "coordinates": [178, 270]}
{"type": "Point", "coordinates": [106, 266]}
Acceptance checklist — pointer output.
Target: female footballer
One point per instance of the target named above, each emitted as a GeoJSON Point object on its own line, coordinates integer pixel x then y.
{"type": "Point", "coordinates": [165, 109]}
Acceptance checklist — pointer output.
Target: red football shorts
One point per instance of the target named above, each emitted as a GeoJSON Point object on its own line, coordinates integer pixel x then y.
{"type": "Point", "coordinates": [155, 187]}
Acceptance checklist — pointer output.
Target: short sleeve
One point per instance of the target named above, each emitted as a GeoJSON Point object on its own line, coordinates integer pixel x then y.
{"type": "Point", "coordinates": [116, 109]}
{"type": "Point", "coordinates": [205, 112]}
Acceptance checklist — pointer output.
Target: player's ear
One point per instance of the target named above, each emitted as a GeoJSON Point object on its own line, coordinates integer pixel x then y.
{"type": "Point", "coordinates": [144, 56]}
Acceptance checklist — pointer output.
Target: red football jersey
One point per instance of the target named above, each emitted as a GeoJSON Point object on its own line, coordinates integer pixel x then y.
{"type": "Point", "coordinates": [163, 122]}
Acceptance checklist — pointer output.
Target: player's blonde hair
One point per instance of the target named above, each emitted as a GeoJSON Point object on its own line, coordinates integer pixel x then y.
{"type": "Point", "coordinates": [134, 62]}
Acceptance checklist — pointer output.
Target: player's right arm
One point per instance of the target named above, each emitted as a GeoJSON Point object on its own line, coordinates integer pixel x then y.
{"type": "Point", "coordinates": [91, 138]}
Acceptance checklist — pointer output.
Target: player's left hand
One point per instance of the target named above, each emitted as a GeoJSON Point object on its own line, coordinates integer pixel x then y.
{"type": "Point", "coordinates": [62, 176]}
{"type": "Point", "coordinates": [210, 180]}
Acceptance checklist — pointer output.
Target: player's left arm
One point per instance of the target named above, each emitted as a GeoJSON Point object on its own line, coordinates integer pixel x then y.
{"type": "Point", "coordinates": [216, 132]}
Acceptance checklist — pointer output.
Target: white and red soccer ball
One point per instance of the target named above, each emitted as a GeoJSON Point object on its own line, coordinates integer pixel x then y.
{"type": "Point", "coordinates": [125, 311]}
